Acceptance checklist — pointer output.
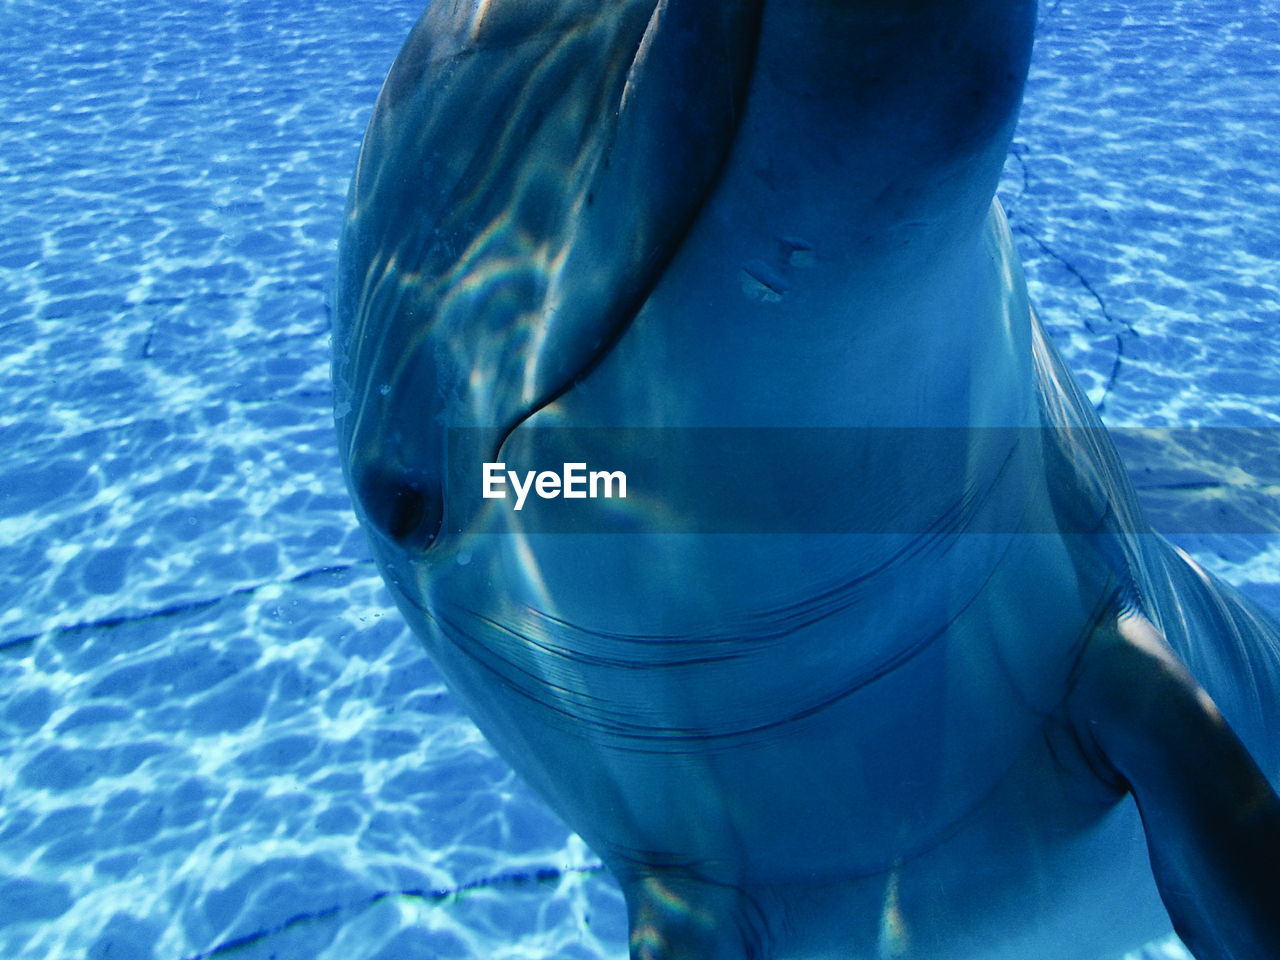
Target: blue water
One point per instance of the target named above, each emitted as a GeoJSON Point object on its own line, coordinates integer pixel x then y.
{"type": "Point", "coordinates": [216, 739]}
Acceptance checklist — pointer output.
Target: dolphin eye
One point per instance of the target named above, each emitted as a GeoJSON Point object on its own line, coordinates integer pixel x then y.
{"type": "Point", "coordinates": [407, 511]}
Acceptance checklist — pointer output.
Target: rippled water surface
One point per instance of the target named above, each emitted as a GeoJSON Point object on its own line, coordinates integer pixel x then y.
{"type": "Point", "coordinates": [215, 736]}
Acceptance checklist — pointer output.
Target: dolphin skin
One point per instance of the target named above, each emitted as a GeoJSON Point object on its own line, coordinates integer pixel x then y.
{"type": "Point", "coordinates": [913, 678]}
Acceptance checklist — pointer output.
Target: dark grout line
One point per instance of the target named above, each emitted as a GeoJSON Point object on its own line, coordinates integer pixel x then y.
{"type": "Point", "coordinates": [39, 442]}
{"type": "Point", "coordinates": [124, 303]}
{"type": "Point", "coordinates": [547, 875]}
{"type": "Point", "coordinates": [1084, 281]}
{"type": "Point", "coordinates": [1125, 326]}
{"type": "Point", "coordinates": [108, 623]}
{"type": "Point", "coordinates": [275, 286]}
{"type": "Point", "coordinates": [202, 350]}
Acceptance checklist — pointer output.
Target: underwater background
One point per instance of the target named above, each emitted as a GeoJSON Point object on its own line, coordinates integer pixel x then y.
{"type": "Point", "coordinates": [216, 736]}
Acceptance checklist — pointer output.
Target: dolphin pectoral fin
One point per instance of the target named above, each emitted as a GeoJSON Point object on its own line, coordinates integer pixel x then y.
{"type": "Point", "coordinates": [678, 918]}
{"type": "Point", "coordinates": [1211, 818]}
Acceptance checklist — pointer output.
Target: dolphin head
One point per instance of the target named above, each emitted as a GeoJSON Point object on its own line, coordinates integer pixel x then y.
{"type": "Point", "coordinates": [528, 172]}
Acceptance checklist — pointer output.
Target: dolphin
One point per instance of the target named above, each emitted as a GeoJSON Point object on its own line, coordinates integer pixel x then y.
{"type": "Point", "coordinates": [1016, 723]}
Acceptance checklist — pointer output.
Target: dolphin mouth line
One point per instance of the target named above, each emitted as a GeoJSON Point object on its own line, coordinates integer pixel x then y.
{"type": "Point", "coordinates": [639, 733]}
{"type": "Point", "coordinates": [577, 707]}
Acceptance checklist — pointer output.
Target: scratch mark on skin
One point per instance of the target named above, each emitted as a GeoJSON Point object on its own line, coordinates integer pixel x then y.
{"type": "Point", "coordinates": [759, 282]}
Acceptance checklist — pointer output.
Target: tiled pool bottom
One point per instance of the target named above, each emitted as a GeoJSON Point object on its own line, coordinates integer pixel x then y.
{"type": "Point", "coordinates": [217, 739]}
{"type": "Point", "coordinates": [278, 770]}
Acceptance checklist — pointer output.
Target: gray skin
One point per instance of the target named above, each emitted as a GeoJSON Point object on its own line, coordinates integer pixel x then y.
{"type": "Point", "coordinates": [998, 738]}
